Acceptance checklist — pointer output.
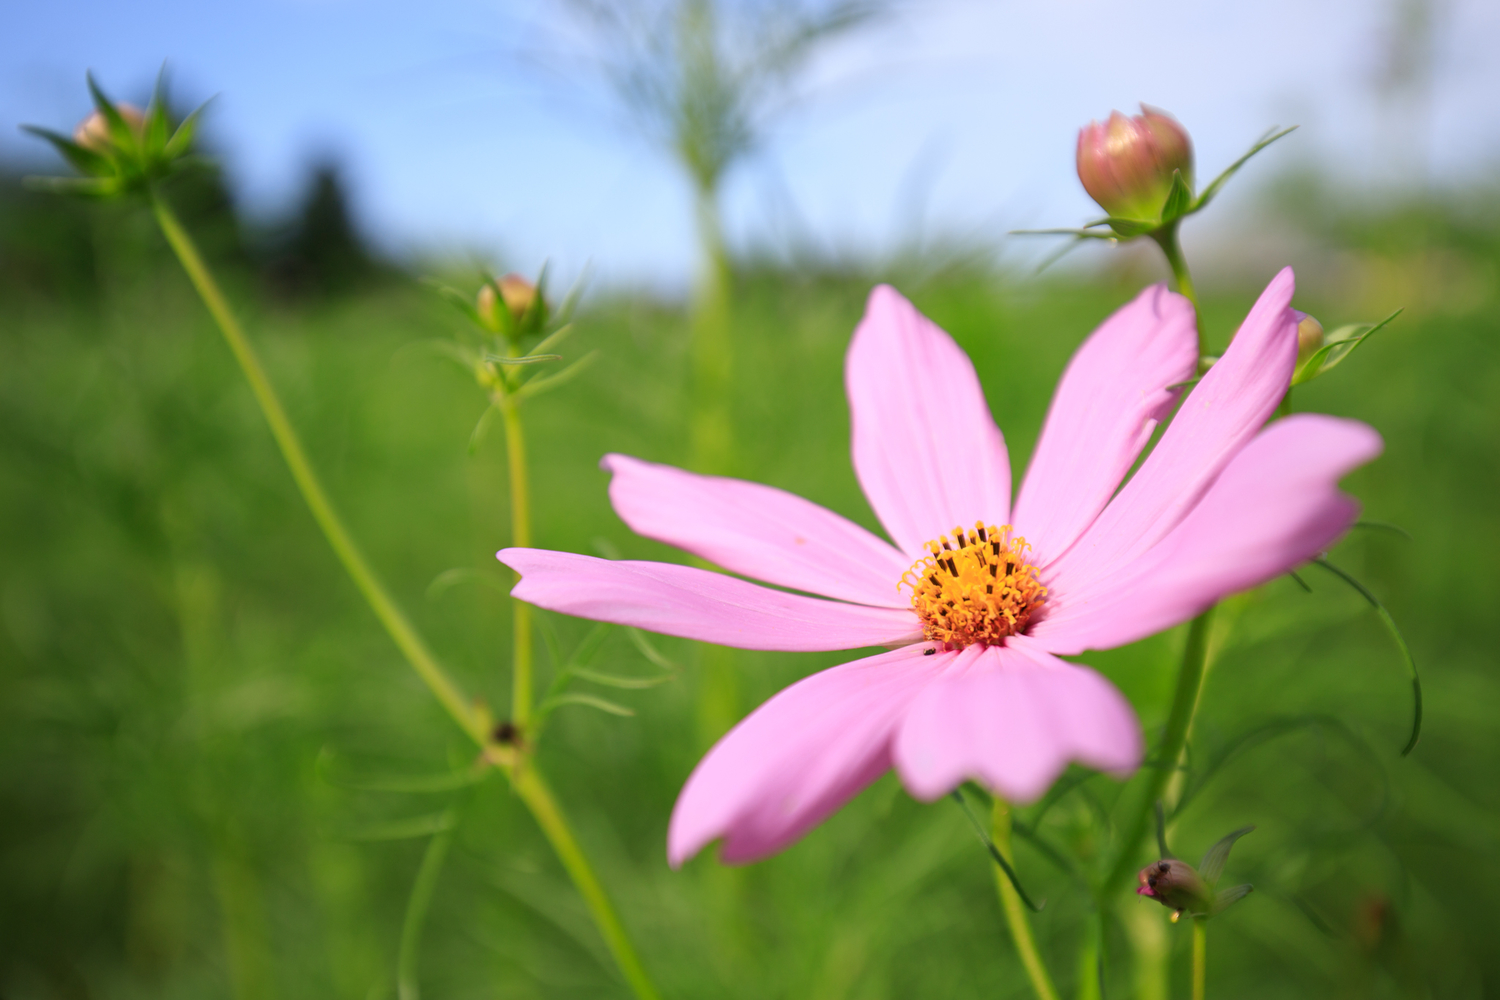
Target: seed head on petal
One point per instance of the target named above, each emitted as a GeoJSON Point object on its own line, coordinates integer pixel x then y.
{"type": "Point", "coordinates": [1126, 164]}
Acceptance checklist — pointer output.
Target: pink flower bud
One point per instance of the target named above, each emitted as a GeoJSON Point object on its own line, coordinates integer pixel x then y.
{"type": "Point", "coordinates": [1175, 885]}
{"type": "Point", "coordinates": [1126, 164]}
{"type": "Point", "coordinates": [1309, 337]}
{"type": "Point", "coordinates": [93, 132]}
{"type": "Point", "coordinates": [518, 294]}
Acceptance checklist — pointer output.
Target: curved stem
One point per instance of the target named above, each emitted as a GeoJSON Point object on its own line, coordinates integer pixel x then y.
{"type": "Point", "coordinates": [1166, 238]}
{"type": "Point", "coordinates": [538, 798]}
{"type": "Point", "coordinates": [523, 776]}
{"type": "Point", "coordinates": [407, 985]}
{"type": "Point", "coordinates": [520, 535]}
{"type": "Point", "coordinates": [401, 630]}
{"type": "Point", "coordinates": [1168, 752]}
{"type": "Point", "coordinates": [1200, 957]}
{"type": "Point", "coordinates": [1015, 912]}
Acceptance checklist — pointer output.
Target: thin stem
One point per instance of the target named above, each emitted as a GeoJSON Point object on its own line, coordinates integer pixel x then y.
{"type": "Point", "coordinates": [538, 798]}
{"type": "Point", "coordinates": [1091, 958]}
{"type": "Point", "coordinates": [401, 630]}
{"type": "Point", "coordinates": [1168, 752]}
{"type": "Point", "coordinates": [523, 776]}
{"type": "Point", "coordinates": [1166, 238]}
{"type": "Point", "coordinates": [1200, 957]}
{"type": "Point", "coordinates": [520, 535]}
{"type": "Point", "coordinates": [407, 985]}
{"type": "Point", "coordinates": [1015, 912]}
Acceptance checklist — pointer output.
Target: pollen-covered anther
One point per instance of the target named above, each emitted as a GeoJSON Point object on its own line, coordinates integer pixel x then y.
{"type": "Point", "coordinates": [974, 586]}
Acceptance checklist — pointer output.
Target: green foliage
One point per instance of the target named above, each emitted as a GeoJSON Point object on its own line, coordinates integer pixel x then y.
{"type": "Point", "coordinates": [203, 730]}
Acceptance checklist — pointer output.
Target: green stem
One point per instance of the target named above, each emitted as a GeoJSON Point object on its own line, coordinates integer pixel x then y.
{"type": "Point", "coordinates": [1168, 752]}
{"type": "Point", "coordinates": [1200, 957]}
{"type": "Point", "coordinates": [1166, 238]}
{"type": "Point", "coordinates": [1091, 958]}
{"type": "Point", "coordinates": [523, 776]}
{"type": "Point", "coordinates": [534, 792]}
{"type": "Point", "coordinates": [401, 630]}
{"type": "Point", "coordinates": [520, 535]}
{"type": "Point", "coordinates": [1015, 912]}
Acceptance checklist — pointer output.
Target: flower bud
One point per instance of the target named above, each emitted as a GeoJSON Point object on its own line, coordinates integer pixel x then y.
{"type": "Point", "coordinates": [519, 296]}
{"type": "Point", "coordinates": [93, 132]}
{"type": "Point", "coordinates": [1309, 337]}
{"type": "Point", "coordinates": [1175, 885]}
{"type": "Point", "coordinates": [1126, 164]}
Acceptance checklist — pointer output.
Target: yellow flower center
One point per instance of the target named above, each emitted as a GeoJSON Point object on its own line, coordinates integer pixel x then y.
{"type": "Point", "coordinates": [974, 587]}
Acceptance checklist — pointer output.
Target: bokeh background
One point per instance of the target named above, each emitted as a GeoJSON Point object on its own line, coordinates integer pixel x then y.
{"type": "Point", "coordinates": [217, 776]}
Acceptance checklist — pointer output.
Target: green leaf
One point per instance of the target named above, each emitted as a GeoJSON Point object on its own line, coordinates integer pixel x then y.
{"type": "Point", "coordinates": [1394, 529]}
{"type": "Point", "coordinates": [448, 579]}
{"type": "Point", "coordinates": [1082, 234]}
{"type": "Point", "coordinates": [1213, 862]}
{"type": "Point", "coordinates": [1179, 200]}
{"type": "Point", "coordinates": [1161, 831]}
{"type": "Point", "coordinates": [1005, 866]}
{"type": "Point", "coordinates": [422, 889]}
{"type": "Point", "coordinates": [543, 383]}
{"type": "Point", "coordinates": [527, 359]}
{"type": "Point", "coordinates": [1339, 345]}
{"type": "Point", "coordinates": [552, 339]}
{"type": "Point", "coordinates": [405, 829]}
{"type": "Point", "coordinates": [83, 187]}
{"type": "Point", "coordinates": [1219, 181]}
{"type": "Point", "coordinates": [457, 299]}
{"type": "Point", "coordinates": [617, 681]}
{"type": "Point", "coordinates": [83, 160]}
{"type": "Point", "coordinates": [588, 700]}
{"type": "Point", "coordinates": [1226, 898]}
{"type": "Point", "coordinates": [446, 781]}
{"type": "Point", "coordinates": [482, 427]}
{"type": "Point", "coordinates": [1411, 662]}
{"type": "Point", "coordinates": [650, 652]}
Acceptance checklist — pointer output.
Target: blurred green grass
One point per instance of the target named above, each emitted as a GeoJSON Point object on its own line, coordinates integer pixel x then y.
{"type": "Point", "coordinates": [194, 701]}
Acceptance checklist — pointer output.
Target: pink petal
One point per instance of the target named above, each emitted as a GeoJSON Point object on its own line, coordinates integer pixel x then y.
{"type": "Point", "coordinates": [926, 450]}
{"type": "Point", "coordinates": [757, 530]}
{"type": "Point", "coordinates": [799, 757]}
{"type": "Point", "coordinates": [1107, 404]}
{"type": "Point", "coordinates": [697, 604]}
{"type": "Point", "coordinates": [1222, 413]}
{"type": "Point", "coordinates": [1275, 506]}
{"type": "Point", "coordinates": [1012, 721]}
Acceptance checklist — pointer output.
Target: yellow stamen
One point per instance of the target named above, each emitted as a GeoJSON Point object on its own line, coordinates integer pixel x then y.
{"type": "Point", "coordinates": [974, 587]}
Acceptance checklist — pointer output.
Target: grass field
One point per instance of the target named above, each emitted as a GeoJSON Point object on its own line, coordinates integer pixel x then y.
{"type": "Point", "coordinates": [218, 776]}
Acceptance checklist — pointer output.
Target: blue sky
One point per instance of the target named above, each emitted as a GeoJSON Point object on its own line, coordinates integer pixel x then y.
{"type": "Point", "coordinates": [957, 116]}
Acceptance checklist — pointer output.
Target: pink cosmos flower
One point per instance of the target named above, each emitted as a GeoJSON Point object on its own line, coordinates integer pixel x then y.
{"type": "Point", "coordinates": [977, 598]}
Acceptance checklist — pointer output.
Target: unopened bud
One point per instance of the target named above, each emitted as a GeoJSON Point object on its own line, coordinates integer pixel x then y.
{"type": "Point", "coordinates": [519, 296]}
{"type": "Point", "coordinates": [93, 132]}
{"type": "Point", "coordinates": [1309, 338]}
{"type": "Point", "coordinates": [1175, 885]}
{"type": "Point", "coordinates": [1126, 164]}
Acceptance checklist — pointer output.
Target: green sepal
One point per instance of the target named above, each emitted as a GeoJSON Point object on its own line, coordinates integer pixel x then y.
{"type": "Point", "coordinates": [155, 137]}
{"type": "Point", "coordinates": [1131, 228]}
{"type": "Point", "coordinates": [1339, 345]}
{"type": "Point", "coordinates": [1179, 199]}
{"type": "Point", "coordinates": [1219, 181]}
{"type": "Point", "coordinates": [1226, 898]}
{"type": "Point", "coordinates": [119, 130]}
{"type": "Point", "coordinates": [182, 138]}
{"type": "Point", "coordinates": [83, 160]}
{"type": "Point", "coordinates": [1213, 861]}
